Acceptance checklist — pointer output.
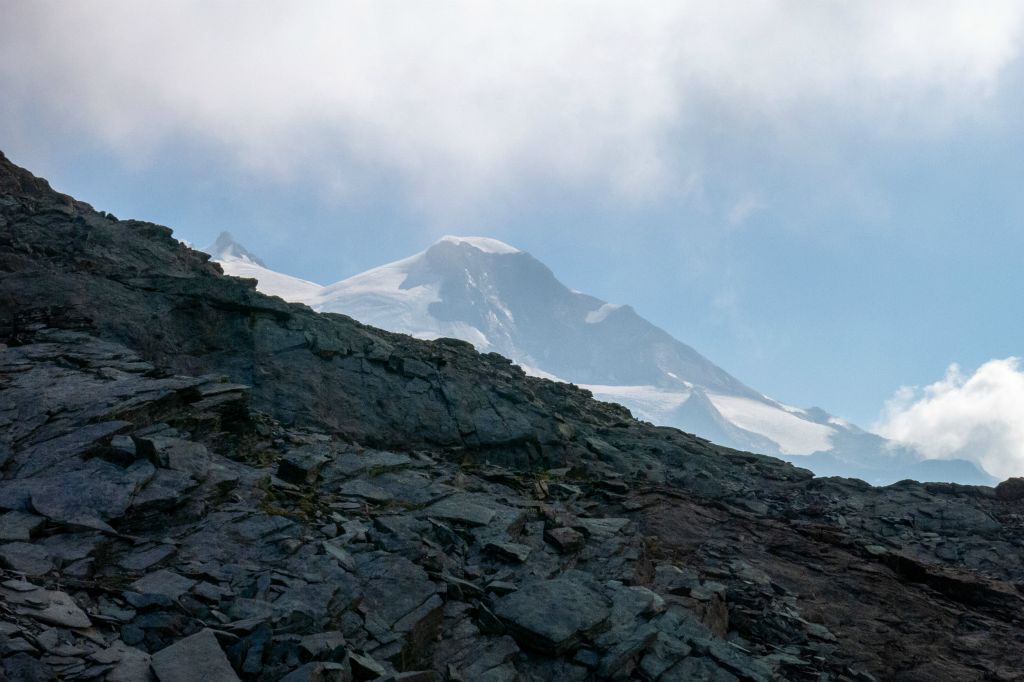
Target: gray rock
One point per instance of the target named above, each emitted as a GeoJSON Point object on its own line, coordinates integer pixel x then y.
{"type": "Point", "coordinates": [18, 525]}
{"type": "Point", "coordinates": [164, 491]}
{"type": "Point", "coordinates": [510, 551]}
{"type": "Point", "coordinates": [320, 671]}
{"type": "Point", "coordinates": [25, 558]}
{"type": "Point", "coordinates": [565, 540]}
{"type": "Point", "coordinates": [176, 454]}
{"type": "Point", "coordinates": [344, 558]}
{"type": "Point", "coordinates": [208, 592]}
{"type": "Point", "coordinates": [622, 658]}
{"type": "Point", "coordinates": [141, 560]}
{"type": "Point", "coordinates": [393, 586]}
{"type": "Point", "coordinates": [697, 668]}
{"type": "Point", "coordinates": [89, 497]}
{"type": "Point", "coordinates": [129, 664]}
{"type": "Point", "coordinates": [192, 659]}
{"type": "Point", "coordinates": [365, 490]}
{"type": "Point", "coordinates": [301, 466]}
{"type": "Point", "coordinates": [663, 653]}
{"type": "Point", "coordinates": [675, 580]}
{"type": "Point", "coordinates": [348, 464]}
{"type": "Point", "coordinates": [322, 644]}
{"type": "Point", "coordinates": [551, 615]}
{"type": "Point", "coordinates": [47, 606]}
{"type": "Point", "coordinates": [601, 529]}
{"type": "Point", "coordinates": [163, 582]}
{"type": "Point", "coordinates": [364, 667]}
{"type": "Point", "coordinates": [460, 508]}
{"type": "Point", "coordinates": [25, 668]}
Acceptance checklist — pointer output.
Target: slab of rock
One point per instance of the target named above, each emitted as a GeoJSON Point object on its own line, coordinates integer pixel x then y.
{"type": "Point", "coordinates": [18, 525]}
{"type": "Point", "coordinates": [393, 586]}
{"type": "Point", "coordinates": [47, 606]}
{"type": "Point", "coordinates": [141, 560]}
{"type": "Point", "coordinates": [89, 497]}
{"type": "Point", "coordinates": [365, 490]}
{"type": "Point", "coordinates": [26, 668]}
{"type": "Point", "coordinates": [129, 664]}
{"type": "Point", "coordinates": [601, 528]}
{"type": "Point", "coordinates": [551, 615]}
{"type": "Point", "coordinates": [164, 491]}
{"type": "Point", "coordinates": [565, 540]}
{"type": "Point", "coordinates": [320, 671]}
{"type": "Point", "coordinates": [176, 454]}
{"type": "Point", "coordinates": [350, 463]}
{"type": "Point", "coordinates": [510, 551]}
{"type": "Point", "coordinates": [621, 659]}
{"type": "Point", "coordinates": [198, 658]}
{"type": "Point", "coordinates": [344, 558]}
{"type": "Point", "coordinates": [321, 644]}
{"type": "Point", "coordinates": [460, 509]}
{"type": "Point", "coordinates": [26, 558]}
{"type": "Point", "coordinates": [301, 466]}
{"type": "Point", "coordinates": [164, 583]}
{"type": "Point", "coordinates": [364, 667]}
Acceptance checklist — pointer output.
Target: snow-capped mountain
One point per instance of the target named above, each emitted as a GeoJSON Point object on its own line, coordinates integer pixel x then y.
{"type": "Point", "coordinates": [504, 300]}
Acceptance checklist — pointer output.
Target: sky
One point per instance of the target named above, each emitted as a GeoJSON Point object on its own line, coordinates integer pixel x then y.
{"type": "Point", "coordinates": [823, 197]}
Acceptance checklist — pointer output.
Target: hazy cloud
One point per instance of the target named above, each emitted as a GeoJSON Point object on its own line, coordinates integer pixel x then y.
{"type": "Point", "coordinates": [978, 417]}
{"type": "Point", "coordinates": [459, 99]}
{"type": "Point", "coordinates": [743, 208]}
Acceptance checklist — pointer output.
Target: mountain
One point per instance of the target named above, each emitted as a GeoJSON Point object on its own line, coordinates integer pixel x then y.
{"type": "Point", "coordinates": [202, 482]}
{"type": "Point", "coordinates": [504, 300]}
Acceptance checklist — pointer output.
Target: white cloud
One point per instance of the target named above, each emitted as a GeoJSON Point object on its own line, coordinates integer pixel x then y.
{"type": "Point", "coordinates": [978, 417]}
{"type": "Point", "coordinates": [743, 209]}
{"type": "Point", "coordinates": [460, 99]}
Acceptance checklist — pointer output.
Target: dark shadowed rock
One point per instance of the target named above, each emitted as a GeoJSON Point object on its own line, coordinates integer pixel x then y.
{"type": "Point", "coordinates": [163, 583]}
{"type": "Point", "coordinates": [552, 615]}
{"type": "Point", "coordinates": [25, 668]}
{"type": "Point", "coordinates": [463, 509]}
{"type": "Point", "coordinates": [192, 659]}
{"type": "Point", "coordinates": [301, 466]}
{"type": "Point", "coordinates": [1011, 490]}
{"type": "Point", "coordinates": [566, 540]}
{"type": "Point", "coordinates": [320, 671]}
{"type": "Point", "coordinates": [19, 525]}
{"type": "Point", "coordinates": [26, 558]}
{"type": "Point", "coordinates": [46, 606]}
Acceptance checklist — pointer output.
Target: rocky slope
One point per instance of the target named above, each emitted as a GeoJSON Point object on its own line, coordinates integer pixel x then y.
{"type": "Point", "coordinates": [504, 300]}
{"type": "Point", "coordinates": [202, 482]}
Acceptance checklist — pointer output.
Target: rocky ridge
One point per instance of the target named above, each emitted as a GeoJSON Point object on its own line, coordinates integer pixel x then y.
{"type": "Point", "coordinates": [201, 481]}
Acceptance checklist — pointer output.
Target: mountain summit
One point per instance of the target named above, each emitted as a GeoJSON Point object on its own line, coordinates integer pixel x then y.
{"type": "Point", "coordinates": [226, 248]}
{"type": "Point", "coordinates": [502, 299]}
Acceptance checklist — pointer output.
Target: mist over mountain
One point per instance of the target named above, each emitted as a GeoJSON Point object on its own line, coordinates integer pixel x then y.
{"type": "Point", "coordinates": [504, 300]}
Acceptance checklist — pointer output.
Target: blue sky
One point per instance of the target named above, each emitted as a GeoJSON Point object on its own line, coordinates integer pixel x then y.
{"type": "Point", "coordinates": [822, 197]}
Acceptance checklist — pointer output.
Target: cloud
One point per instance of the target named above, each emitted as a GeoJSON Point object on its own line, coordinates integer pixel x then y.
{"type": "Point", "coordinates": [465, 99]}
{"type": "Point", "coordinates": [743, 209]}
{"type": "Point", "coordinates": [978, 417]}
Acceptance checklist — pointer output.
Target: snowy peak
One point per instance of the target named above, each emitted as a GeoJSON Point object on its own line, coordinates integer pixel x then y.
{"type": "Point", "coordinates": [238, 261]}
{"type": "Point", "coordinates": [226, 248]}
{"type": "Point", "coordinates": [501, 299]}
{"type": "Point", "coordinates": [485, 244]}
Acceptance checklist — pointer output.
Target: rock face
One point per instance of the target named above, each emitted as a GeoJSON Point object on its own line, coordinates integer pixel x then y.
{"type": "Point", "coordinates": [197, 475]}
